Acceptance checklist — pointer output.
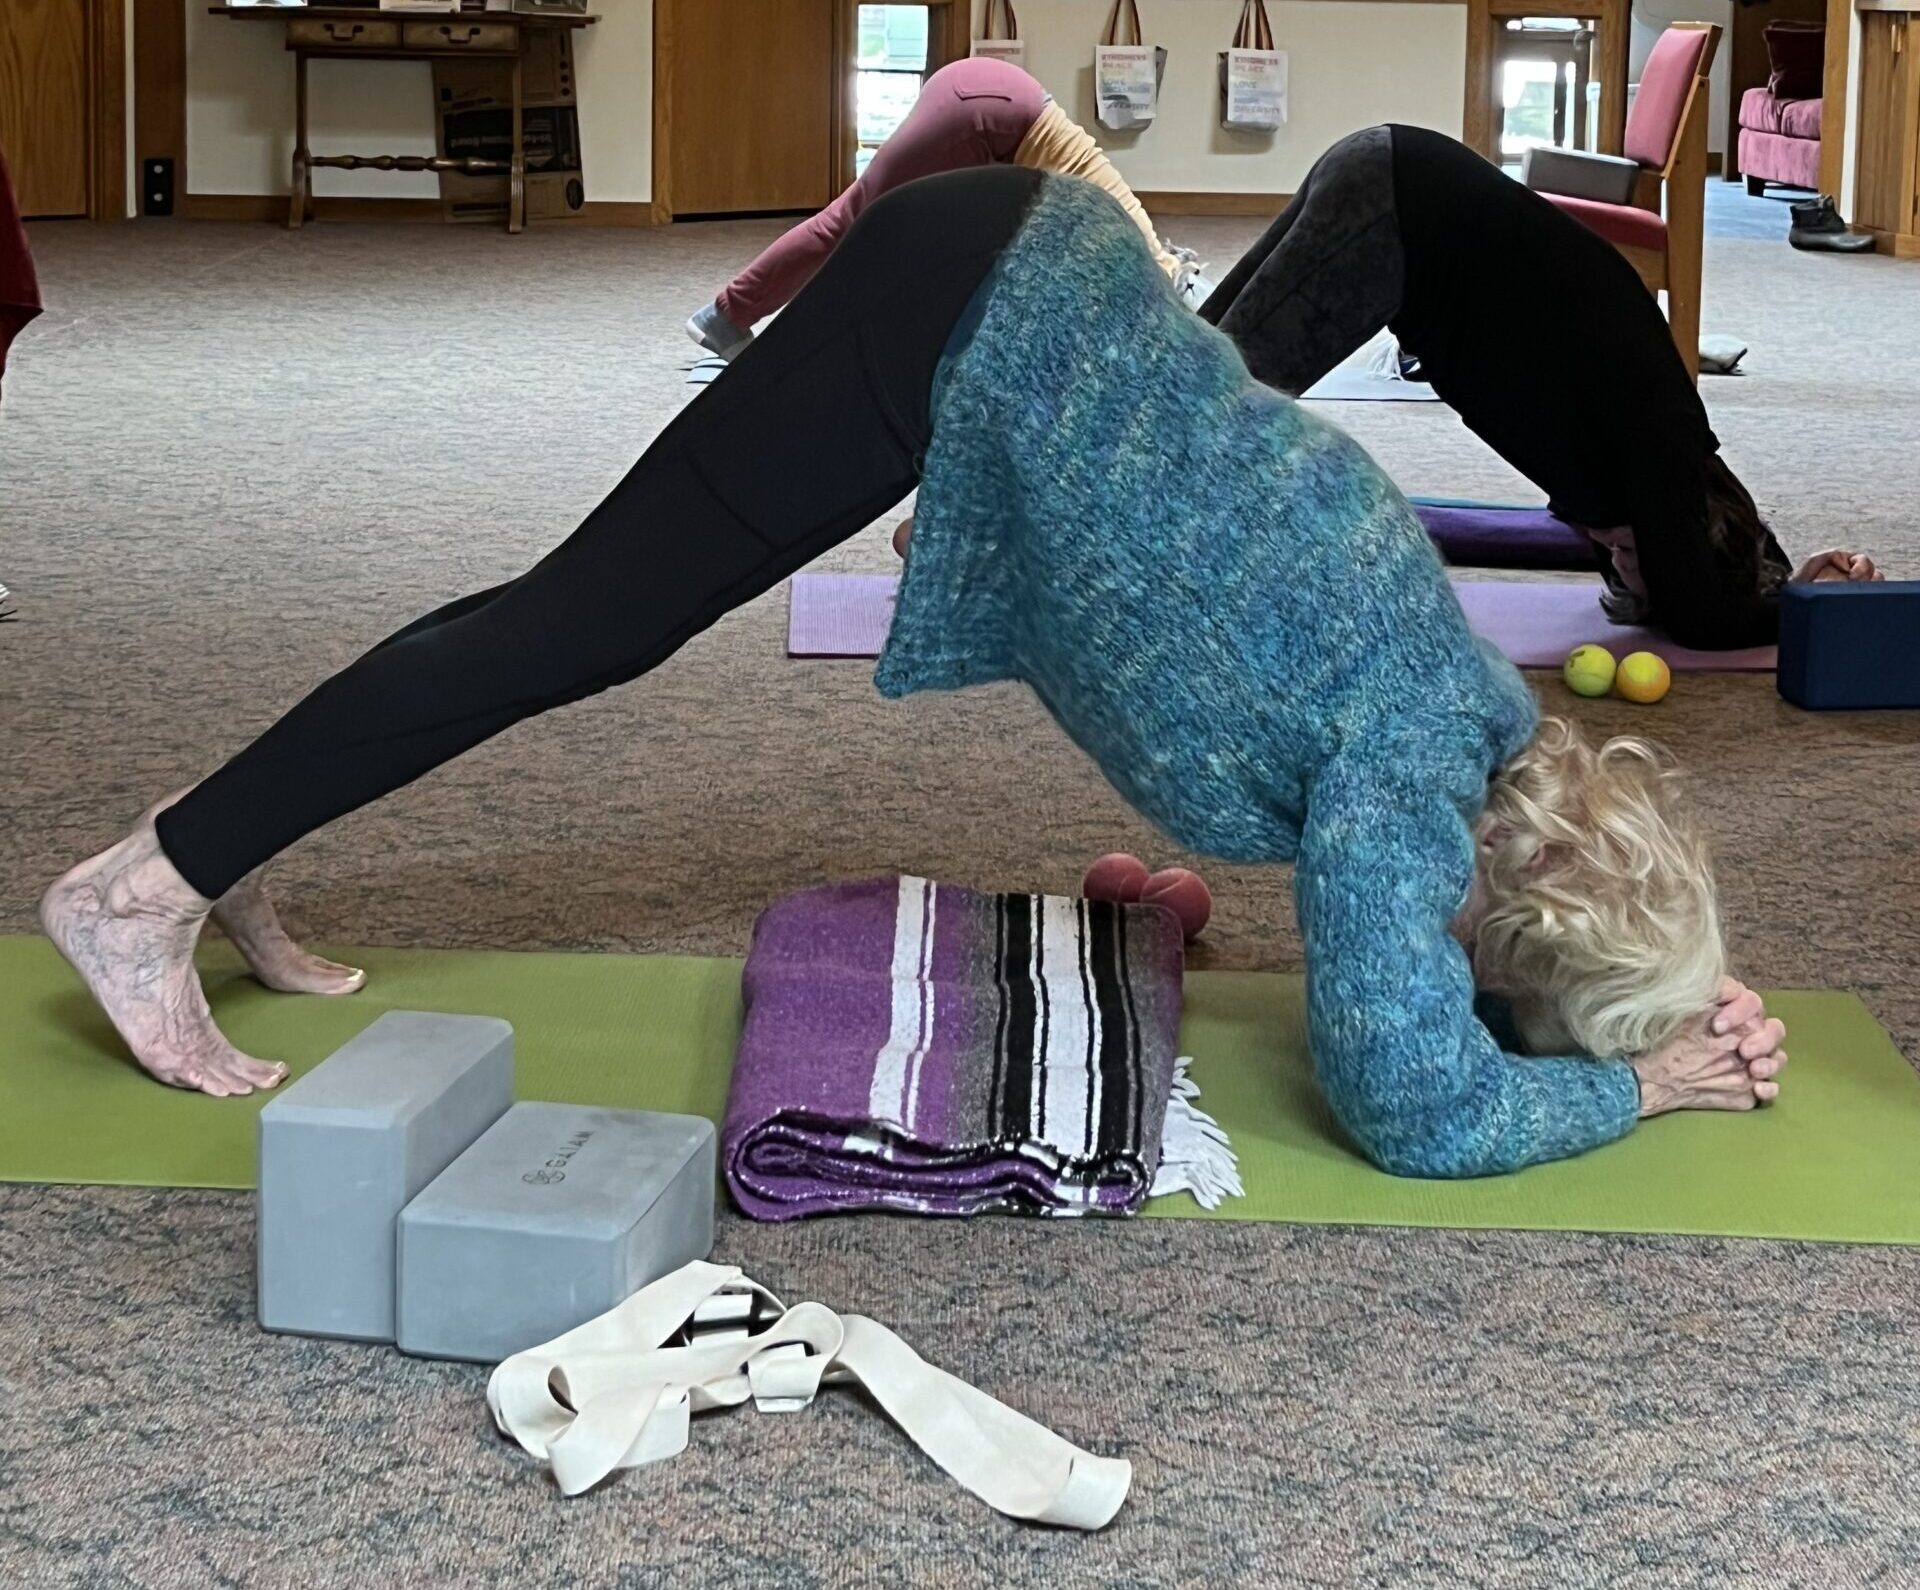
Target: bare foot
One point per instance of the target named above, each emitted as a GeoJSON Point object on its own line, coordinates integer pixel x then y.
{"type": "Point", "coordinates": [247, 916]}
{"type": "Point", "coordinates": [127, 921]}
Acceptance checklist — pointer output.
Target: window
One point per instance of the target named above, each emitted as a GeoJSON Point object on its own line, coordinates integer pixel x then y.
{"type": "Point", "coordinates": [890, 60]}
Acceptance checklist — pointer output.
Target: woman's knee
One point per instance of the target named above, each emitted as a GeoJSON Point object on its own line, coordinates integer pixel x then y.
{"type": "Point", "coordinates": [1357, 168]}
{"type": "Point", "coordinates": [939, 216]}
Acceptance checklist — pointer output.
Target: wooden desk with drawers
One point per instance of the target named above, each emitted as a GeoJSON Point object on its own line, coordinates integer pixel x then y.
{"type": "Point", "coordinates": [362, 33]}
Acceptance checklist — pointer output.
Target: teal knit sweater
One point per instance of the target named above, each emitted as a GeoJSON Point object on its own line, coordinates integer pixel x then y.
{"type": "Point", "coordinates": [1229, 607]}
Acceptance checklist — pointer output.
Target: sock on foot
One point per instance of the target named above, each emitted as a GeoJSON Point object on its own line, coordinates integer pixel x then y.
{"type": "Point", "coordinates": [717, 334]}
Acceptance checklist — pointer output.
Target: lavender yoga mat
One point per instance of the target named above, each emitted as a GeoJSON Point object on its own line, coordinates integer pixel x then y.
{"type": "Point", "coordinates": [1535, 625]}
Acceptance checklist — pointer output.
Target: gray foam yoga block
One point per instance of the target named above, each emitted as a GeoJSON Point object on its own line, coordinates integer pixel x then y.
{"type": "Point", "coordinates": [343, 1150]}
{"type": "Point", "coordinates": [556, 1214]}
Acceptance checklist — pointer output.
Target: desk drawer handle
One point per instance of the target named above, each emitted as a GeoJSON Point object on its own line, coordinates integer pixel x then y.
{"type": "Point", "coordinates": [467, 35]}
{"type": "Point", "coordinates": [344, 32]}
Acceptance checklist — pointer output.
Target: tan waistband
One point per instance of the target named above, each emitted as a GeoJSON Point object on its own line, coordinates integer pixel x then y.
{"type": "Point", "coordinates": [1057, 144]}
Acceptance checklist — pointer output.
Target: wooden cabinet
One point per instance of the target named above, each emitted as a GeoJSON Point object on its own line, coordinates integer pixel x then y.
{"type": "Point", "coordinates": [44, 104]}
{"type": "Point", "coordinates": [342, 33]}
{"type": "Point", "coordinates": [1886, 196]}
{"type": "Point", "coordinates": [479, 37]}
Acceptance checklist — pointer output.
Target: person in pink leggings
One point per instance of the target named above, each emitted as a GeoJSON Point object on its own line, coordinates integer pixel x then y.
{"type": "Point", "coordinates": [970, 113]}
{"type": "Point", "coordinates": [19, 292]}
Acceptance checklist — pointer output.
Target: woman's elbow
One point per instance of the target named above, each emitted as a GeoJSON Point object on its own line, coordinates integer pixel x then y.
{"type": "Point", "coordinates": [1428, 1150]}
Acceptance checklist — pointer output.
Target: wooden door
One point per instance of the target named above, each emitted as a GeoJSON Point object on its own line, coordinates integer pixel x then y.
{"type": "Point", "coordinates": [43, 103]}
{"type": "Point", "coordinates": [752, 104]}
{"type": "Point", "coordinates": [1887, 180]}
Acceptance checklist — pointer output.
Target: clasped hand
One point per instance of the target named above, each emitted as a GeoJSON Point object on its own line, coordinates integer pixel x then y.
{"type": "Point", "coordinates": [1727, 1058]}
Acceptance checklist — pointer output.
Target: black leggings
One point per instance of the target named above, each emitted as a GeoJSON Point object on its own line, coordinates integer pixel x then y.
{"type": "Point", "coordinates": [814, 431]}
{"type": "Point", "coordinates": [1325, 276]}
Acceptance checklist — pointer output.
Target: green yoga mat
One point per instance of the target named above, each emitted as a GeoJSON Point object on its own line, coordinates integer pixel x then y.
{"type": "Point", "coordinates": [1833, 1161]}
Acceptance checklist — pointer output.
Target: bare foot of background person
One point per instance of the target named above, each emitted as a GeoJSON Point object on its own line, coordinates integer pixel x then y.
{"type": "Point", "coordinates": [248, 918]}
{"type": "Point", "coordinates": [127, 922]}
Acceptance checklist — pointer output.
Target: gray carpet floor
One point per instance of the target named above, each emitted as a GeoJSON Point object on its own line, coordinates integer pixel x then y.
{"type": "Point", "coordinates": [231, 458]}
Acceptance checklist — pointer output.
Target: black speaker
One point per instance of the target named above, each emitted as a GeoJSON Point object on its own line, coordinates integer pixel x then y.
{"type": "Point", "coordinates": [156, 187]}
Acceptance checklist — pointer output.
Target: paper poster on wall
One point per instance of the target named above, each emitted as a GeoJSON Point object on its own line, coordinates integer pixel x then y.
{"type": "Point", "coordinates": [1126, 76]}
{"type": "Point", "coordinates": [1256, 90]}
{"type": "Point", "coordinates": [1253, 75]}
{"type": "Point", "coordinates": [1124, 81]}
{"type": "Point", "coordinates": [1000, 35]}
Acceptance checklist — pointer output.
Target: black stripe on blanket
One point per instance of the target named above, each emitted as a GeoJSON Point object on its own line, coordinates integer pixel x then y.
{"type": "Point", "coordinates": [1020, 1023]}
{"type": "Point", "coordinates": [1083, 926]}
{"type": "Point", "coordinates": [1119, 1038]}
{"type": "Point", "coordinates": [1043, 1045]}
{"type": "Point", "coordinates": [1000, 1016]}
{"type": "Point", "coordinates": [1135, 1080]}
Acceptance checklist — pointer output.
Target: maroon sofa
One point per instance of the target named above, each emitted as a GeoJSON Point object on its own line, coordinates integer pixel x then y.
{"type": "Point", "coordinates": [1780, 122]}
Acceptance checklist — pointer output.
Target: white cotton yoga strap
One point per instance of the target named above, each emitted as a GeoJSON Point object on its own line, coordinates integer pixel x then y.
{"type": "Point", "coordinates": [614, 1394]}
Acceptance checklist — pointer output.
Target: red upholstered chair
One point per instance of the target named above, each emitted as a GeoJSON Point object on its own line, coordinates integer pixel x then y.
{"type": "Point", "coordinates": [1661, 227]}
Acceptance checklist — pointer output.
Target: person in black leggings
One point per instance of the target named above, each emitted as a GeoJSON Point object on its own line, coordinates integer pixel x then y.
{"type": "Point", "coordinates": [812, 433]}
{"type": "Point", "coordinates": [1542, 337]}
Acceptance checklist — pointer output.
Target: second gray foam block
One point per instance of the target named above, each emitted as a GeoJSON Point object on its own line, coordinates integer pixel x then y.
{"type": "Point", "coordinates": [343, 1149]}
{"type": "Point", "coordinates": [558, 1213]}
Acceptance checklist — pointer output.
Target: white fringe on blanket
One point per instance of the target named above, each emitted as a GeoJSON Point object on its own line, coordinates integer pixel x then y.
{"type": "Point", "coordinates": [1195, 1156]}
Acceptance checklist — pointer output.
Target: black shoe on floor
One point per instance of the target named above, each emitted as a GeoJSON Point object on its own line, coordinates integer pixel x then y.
{"type": "Point", "coordinates": [1818, 228]}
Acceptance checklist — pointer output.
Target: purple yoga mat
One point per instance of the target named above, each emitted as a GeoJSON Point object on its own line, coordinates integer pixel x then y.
{"type": "Point", "coordinates": [847, 615]}
{"type": "Point", "coordinates": [1475, 536]}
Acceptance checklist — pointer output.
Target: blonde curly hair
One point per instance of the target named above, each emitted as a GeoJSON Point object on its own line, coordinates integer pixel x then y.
{"type": "Point", "coordinates": [1595, 912]}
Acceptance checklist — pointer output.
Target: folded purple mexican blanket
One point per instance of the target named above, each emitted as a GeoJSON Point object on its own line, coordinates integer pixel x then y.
{"type": "Point", "coordinates": [918, 1046]}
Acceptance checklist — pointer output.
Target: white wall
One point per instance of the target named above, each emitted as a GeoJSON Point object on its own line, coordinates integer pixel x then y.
{"type": "Point", "coordinates": [240, 104]}
{"type": "Point", "coordinates": [1351, 63]}
{"type": "Point", "coordinates": [1652, 17]}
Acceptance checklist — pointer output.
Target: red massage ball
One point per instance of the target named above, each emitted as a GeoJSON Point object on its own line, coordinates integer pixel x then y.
{"type": "Point", "coordinates": [1184, 894]}
{"type": "Point", "coordinates": [1116, 876]}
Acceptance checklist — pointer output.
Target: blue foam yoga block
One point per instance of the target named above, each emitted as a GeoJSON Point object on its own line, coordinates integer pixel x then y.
{"type": "Point", "coordinates": [555, 1215]}
{"type": "Point", "coordinates": [1846, 646]}
{"type": "Point", "coordinates": [343, 1149]}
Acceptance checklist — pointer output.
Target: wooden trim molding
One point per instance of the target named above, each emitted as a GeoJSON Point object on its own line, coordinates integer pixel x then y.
{"type": "Point", "coordinates": [609, 212]}
{"type": "Point", "coordinates": [273, 207]}
{"type": "Point", "coordinates": [1899, 245]}
{"type": "Point", "coordinates": [106, 111]}
{"type": "Point", "coordinates": [1481, 122]}
{"type": "Point", "coordinates": [949, 32]}
{"type": "Point", "coordinates": [662, 203]}
{"type": "Point", "coordinates": [1835, 70]}
{"type": "Point", "coordinates": [1180, 203]}
{"type": "Point", "coordinates": [845, 119]}
{"type": "Point", "coordinates": [160, 85]}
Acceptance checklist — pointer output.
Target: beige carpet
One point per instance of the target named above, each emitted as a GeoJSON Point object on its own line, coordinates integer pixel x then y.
{"type": "Point", "coordinates": [230, 458]}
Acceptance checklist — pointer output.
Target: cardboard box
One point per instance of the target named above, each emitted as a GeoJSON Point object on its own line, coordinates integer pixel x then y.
{"type": "Point", "coordinates": [473, 100]}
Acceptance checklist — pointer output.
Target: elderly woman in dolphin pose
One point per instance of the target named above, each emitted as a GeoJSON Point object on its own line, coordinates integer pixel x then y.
{"type": "Point", "coordinates": [1511, 937]}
